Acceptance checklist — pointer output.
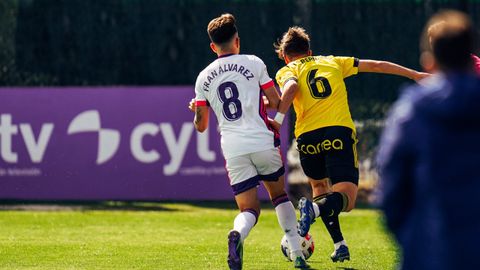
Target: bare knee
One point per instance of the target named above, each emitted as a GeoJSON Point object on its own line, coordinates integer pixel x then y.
{"type": "Point", "coordinates": [320, 187]}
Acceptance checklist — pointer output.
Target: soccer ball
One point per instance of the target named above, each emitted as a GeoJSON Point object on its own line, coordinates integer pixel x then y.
{"type": "Point", "coordinates": [306, 244]}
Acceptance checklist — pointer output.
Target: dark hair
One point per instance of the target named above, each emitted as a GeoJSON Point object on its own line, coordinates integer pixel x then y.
{"type": "Point", "coordinates": [449, 37]}
{"type": "Point", "coordinates": [294, 42]}
{"type": "Point", "coordinates": [222, 29]}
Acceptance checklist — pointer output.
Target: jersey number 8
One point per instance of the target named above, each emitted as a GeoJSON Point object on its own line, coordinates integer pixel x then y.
{"type": "Point", "coordinates": [232, 107]}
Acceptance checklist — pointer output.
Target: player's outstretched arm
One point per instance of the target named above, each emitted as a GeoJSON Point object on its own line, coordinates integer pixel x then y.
{"type": "Point", "coordinates": [385, 67]}
{"type": "Point", "coordinates": [201, 116]}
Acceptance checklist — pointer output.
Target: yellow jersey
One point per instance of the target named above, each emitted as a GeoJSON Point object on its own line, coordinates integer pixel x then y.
{"type": "Point", "coordinates": [321, 99]}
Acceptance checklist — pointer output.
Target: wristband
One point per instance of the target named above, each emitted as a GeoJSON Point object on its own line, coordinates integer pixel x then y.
{"type": "Point", "coordinates": [279, 117]}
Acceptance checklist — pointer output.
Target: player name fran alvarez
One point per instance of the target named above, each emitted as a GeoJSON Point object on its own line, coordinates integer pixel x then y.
{"type": "Point", "coordinates": [227, 68]}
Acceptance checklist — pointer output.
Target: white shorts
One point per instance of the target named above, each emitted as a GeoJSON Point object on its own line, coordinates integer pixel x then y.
{"type": "Point", "coordinates": [246, 171]}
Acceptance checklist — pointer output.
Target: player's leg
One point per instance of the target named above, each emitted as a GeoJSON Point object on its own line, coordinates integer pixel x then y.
{"type": "Point", "coordinates": [349, 191]}
{"type": "Point", "coordinates": [249, 207]}
{"type": "Point", "coordinates": [269, 165]}
{"type": "Point", "coordinates": [243, 223]}
{"type": "Point", "coordinates": [337, 148]}
{"type": "Point", "coordinates": [287, 219]}
{"type": "Point", "coordinates": [327, 205]}
{"type": "Point", "coordinates": [342, 168]}
{"type": "Point", "coordinates": [244, 181]}
{"type": "Point", "coordinates": [312, 161]}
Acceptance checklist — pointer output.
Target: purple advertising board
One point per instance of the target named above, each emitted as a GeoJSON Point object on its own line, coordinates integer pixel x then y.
{"type": "Point", "coordinates": [108, 143]}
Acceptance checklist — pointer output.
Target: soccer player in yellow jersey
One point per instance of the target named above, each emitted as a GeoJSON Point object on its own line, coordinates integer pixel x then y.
{"type": "Point", "coordinates": [324, 128]}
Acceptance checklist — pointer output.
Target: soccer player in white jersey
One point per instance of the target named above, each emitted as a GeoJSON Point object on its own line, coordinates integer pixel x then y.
{"type": "Point", "coordinates": [233, 86]}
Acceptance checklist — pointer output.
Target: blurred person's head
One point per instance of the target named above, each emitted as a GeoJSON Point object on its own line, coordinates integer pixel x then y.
{"type": "Point", "coordinates": [447, 42]}
{"type": "Point", "coordinates": [224, 35]}
{"type": "Point", "coordinates": [295, 43]}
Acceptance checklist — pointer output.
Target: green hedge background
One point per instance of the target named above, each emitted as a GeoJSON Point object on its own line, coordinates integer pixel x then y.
{"type": "Point", "coordinates": [152, 42]}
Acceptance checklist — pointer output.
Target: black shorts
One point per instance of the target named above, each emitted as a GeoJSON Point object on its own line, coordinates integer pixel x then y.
{"type": "Point", "coordinates": [329, 152]}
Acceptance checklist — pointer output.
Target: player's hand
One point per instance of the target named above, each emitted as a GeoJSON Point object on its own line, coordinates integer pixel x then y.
{"type": "Point", "coordinates": [420, 76]}
{"type": "Point", "coordinates": [274, 124]}
{"type": "Point", "coordinates": [192, 106]}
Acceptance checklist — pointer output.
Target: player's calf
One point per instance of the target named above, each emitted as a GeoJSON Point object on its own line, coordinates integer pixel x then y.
{"type": "Point", "coordinates": [288, 221]}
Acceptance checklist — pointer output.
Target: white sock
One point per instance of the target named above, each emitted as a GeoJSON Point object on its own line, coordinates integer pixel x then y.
{"type": "Point", "coordinates": [316, 210]}
{"type": "Point", "coordinates": [288, 221]}
{"type": "Point", "coordinates": [338, 244]}
{"type": "Point", "coordinates": [243, 223]}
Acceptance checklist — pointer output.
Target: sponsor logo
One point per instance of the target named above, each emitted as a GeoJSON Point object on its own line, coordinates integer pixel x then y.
{"type": "Point", "coordinates": [110, 141]}
{"type": "Point", "coordinates": [326, 145]}
{"type": "Point", "coordinates": [35, 146]}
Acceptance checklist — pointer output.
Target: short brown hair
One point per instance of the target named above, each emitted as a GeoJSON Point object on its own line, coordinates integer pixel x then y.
{"type": "Point", "coordinates": [294, 42]}
{"type": "Point", "coordinates": [222, 29]}
{"type": "Point", "coordinates": [449, 36]}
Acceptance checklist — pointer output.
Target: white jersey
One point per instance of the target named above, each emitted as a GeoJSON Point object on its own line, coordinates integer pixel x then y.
{"type": "Point", "coordinates": [232, 86]}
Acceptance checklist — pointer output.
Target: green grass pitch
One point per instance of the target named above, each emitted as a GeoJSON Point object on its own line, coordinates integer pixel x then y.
{"type": "Point", "coordinates": [173, 236]}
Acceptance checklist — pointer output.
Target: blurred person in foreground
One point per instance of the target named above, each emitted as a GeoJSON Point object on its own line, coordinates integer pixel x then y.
{"type": "Point", "coordinates": [324, 129]}
{"type": "Point", "coordinates": [435, 27]}
{"type": "Point", "coordinates": [430, 154]}
{"type": "Point", "coordinates": [233, 86]}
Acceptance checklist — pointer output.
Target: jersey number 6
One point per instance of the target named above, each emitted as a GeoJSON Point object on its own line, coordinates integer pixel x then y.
{"type": "Point", "coordinates": [312, 82]}
{"type": "Point", "coordinates": [232, 107]}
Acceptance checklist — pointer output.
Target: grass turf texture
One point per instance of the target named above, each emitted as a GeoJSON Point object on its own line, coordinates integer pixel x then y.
{"type": "Point", "coordinates": [173, 236]}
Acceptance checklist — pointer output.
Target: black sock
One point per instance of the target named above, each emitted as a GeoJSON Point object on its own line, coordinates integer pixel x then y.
{"type": "Point", "coordinates": [333, 226]}
{"type": "Point", "coordinates": [330, 206]}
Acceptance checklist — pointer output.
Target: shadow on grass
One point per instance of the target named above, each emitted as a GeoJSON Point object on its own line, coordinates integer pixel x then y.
{"type": "Point", "coordinates": [16, 205]}
{"type": "Point", "coordinates": [19, 205]}
{"type": "Point", "coordinates": [65, 205]}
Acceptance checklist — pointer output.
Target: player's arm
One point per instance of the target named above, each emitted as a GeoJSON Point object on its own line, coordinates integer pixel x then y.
{"type": "Point", "coordinates": [386, 67]}
{"type": "Point", "coordinates": [273, 98]}
{"type": "Point", "coordinates": [201, 114]}
{"type": "Point", "coordinates": [290, 89]}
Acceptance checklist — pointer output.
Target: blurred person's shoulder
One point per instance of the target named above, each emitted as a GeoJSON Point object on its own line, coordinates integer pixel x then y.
{"type": "Point", "coordinates": [413, 96]}
{"type": "Point", "coordinates": [424, 90]}
{"type": "Point", "coordinates": [445, 99]}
